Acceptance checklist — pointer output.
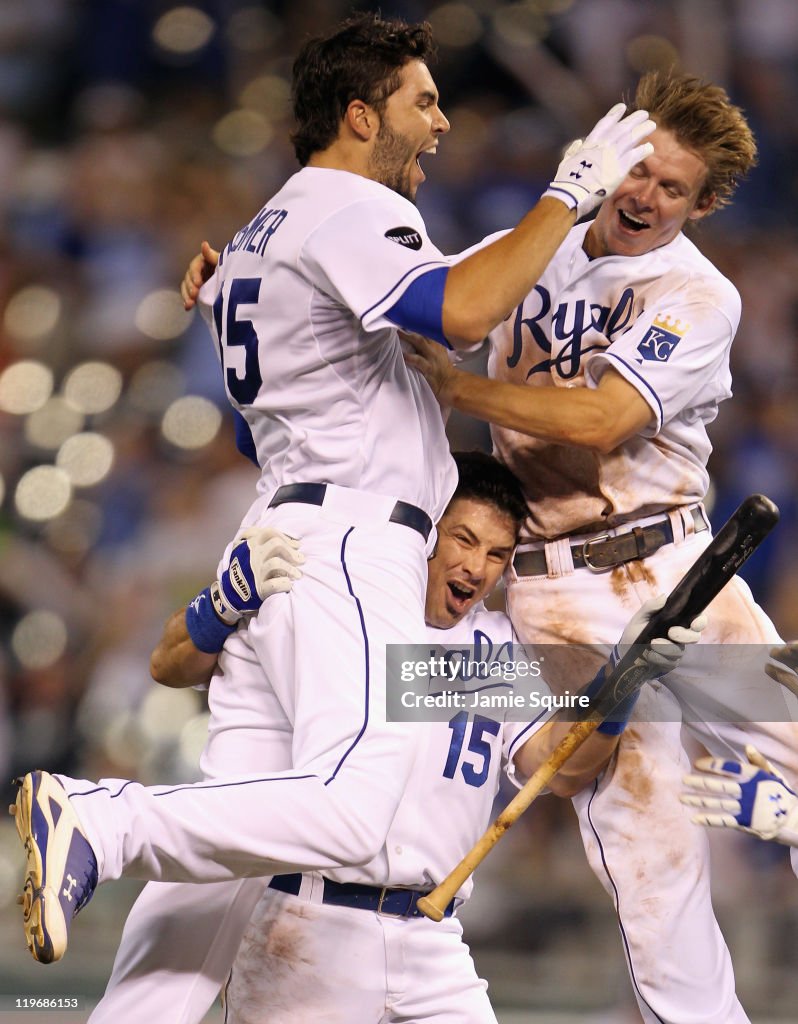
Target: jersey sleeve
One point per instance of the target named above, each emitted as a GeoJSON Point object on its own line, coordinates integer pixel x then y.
{"type": "Point", "coordinates": [676, 355]}
{"type": "Point", "coordinates": [514, 736]}
{"type": "Point", "coordinates": [367, 254]}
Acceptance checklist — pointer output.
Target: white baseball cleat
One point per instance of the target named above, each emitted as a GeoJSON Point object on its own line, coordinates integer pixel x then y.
{"type": "Point", "coordinates": [61, 870]}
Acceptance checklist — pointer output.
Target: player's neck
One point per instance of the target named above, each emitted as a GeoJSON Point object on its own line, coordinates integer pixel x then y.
{"type": "Point", "coordinates": [343, 156]}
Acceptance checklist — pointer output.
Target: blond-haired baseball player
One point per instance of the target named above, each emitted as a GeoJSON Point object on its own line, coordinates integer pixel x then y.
{"type": "Point", "coordinates": [602, 387]}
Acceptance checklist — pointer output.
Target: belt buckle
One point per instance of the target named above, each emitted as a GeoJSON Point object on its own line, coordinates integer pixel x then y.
{"type": "Point", "coordinates": [586, 555]}
{"type": "Point", "coordinates": [384, 893]}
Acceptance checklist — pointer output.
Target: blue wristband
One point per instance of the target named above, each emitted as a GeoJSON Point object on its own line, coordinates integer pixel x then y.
{"type": "Point", "coordinates": [204, 626]}
{"type": "Point", "coordinates": [620, 715]}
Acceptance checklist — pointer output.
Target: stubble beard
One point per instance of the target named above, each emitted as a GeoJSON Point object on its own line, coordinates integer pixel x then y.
{"type": "Point", "coordinates": [388, 163]}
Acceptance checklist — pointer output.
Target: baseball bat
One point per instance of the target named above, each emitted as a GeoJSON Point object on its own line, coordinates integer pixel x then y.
{"type": "Point", "coordinates": [734, 543]}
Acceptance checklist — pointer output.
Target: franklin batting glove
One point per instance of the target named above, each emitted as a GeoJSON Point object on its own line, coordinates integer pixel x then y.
{"type": "Point", "coordinates": [592, 168]}
{"type": "Point", "coordinates": [751, 797]}
{"type": "Point", "coordinates": [262, 563]}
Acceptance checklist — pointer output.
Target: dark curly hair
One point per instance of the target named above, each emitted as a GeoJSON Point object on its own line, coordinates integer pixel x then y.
{"type": "Point", "coordinates": [483, 478]}
{"type": "Point", "coordinates": [361, 60]}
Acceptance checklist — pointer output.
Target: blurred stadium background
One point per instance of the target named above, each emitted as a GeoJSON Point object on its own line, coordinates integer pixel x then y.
{"type": "Point", "coordinates": [132, 129]}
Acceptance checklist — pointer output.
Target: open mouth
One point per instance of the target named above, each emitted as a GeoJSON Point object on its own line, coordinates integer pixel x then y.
{"type": "Point", "coordinates": [429, 151]}
{"type": "Point", "coordinates": [630, 222]}
{"type": "Point", "coordinates": [461, 592]}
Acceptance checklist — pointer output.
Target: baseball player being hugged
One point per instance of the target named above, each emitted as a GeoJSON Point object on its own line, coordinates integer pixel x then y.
{"type": "Point", "coordinates": [603, 384]}
{"type": "Point", "coordinates": [305, 309]}
{"type": "Point", "coordinates": [349, 945]}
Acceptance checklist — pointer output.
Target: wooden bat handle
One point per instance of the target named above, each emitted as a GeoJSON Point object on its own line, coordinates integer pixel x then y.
{"type": "Point", "coordinates": [434, 903]}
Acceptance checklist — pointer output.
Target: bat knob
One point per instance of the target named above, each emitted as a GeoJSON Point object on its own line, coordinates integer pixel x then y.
{"type": "Point", "coordinates": [428, 909]}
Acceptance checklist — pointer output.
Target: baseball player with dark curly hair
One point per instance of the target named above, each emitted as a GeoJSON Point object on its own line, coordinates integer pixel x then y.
{"type": "Point", "coordinates": [603, 384]}
{"type": "Point", "coordinates": [305, 308]}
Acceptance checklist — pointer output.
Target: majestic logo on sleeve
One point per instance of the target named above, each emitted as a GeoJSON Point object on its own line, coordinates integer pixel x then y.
{"type": "Point", "coordinates": [661, 339]}
{"type": "Point", "coordinates": [408, 237]}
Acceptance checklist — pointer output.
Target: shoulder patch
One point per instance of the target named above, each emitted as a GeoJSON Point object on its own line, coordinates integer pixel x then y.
{"type": "Point", "coordinates": [408, 237]}
{"type": "Point", "coordinates": [661, 339]}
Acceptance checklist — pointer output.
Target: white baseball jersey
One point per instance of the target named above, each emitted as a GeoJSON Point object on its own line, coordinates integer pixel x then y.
{"type": "Point", "coordinates": [297, 306]}
{"type": "Point", "coordinates": [302, 961]}
{"type": "Point", "coordinates": [159, 979]}
{"type": "Point", "coordinates": [454, 779]}
{"type": "Point", "coordinates": [665, 321]}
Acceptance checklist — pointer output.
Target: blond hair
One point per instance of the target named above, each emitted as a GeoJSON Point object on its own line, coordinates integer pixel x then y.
{"type": "Point", "coordinates": [704, 120]}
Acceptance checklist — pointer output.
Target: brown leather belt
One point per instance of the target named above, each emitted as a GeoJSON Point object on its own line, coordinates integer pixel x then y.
{"type": "Point", "coordinates": [604, 552]}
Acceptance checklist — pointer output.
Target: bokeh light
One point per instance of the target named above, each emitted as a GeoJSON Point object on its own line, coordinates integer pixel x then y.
{"type": "Point", "coordinates": [520, 23]}
{"type": "Point", "coordinates": [25, 386]}
{"type": "Point", "coordinates": [49, 426]}
{"type": "Point", "coordinates": [93, 387]}
{"type": "Point", "coordinates": [42, 493]}
{"type": "Point", "coordinates": [252, 28]}
{"type": "Point", "coordinates": [242, 133]}
{"type": "Point", "coordinates": [165, 711]}
{"type": "Point", "coordinates": [160, 315]}
{"type": "Point", "coordinates": [154, 386]}
{"type": "Point", "coordinates": [76, 529]}
{"type": "Point", "coordinates": [456, 25]}
{"type": "Point", "coordinates": [39, 639]}
{"type": "Point", "coordinates": [270, 95]}
{"type": "Point", "coordinates": [183, 30]}
{"type": "Point", "coordinates": [645, 53]}
{"type": "Point", "coordinates": [86, 458]}
{"type": "Point", "coordinates": [32, 313]}
{"type": "Point", "coordinates": [191, 422]}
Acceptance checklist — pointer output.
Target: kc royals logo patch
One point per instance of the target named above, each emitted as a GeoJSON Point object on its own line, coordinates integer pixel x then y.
{"type": "Point", "coordinates": [661, 339]}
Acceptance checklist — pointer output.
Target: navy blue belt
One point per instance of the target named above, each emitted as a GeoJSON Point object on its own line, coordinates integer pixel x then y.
{"type": "Point", "coordinates": [389, 902]}
{"type": "Point", "coordinates": [313, 494]}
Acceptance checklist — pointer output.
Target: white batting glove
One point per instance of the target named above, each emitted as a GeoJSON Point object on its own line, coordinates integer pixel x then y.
{"type": "Point", "coordinates": [751, 797]}
{"type": "Point", "coordinates": [662, 653]}
{"type": "Point", "coordinates": [592, 168]}
{"type": "Point", "coordinates": [785, 671]}
{"type": "Point", "coordinates": [263, 562]}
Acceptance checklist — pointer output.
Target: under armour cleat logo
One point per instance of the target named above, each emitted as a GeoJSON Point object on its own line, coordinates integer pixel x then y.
{"type": "Point", "coordinates": [68, 891]}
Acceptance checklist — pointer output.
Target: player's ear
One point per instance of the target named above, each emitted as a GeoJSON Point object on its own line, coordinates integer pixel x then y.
{"type": "Point", "coordinates": [361, 119]}
{"type": "Point", "coordinates": [704, 205]}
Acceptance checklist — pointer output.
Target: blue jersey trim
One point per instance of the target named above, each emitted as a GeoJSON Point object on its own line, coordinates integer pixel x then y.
{"type": "Point", "coordinates": [420, 306]}
{"type": "Point", "coordinates": [593, 828]}
{"type": "Point", "coordinates": [398, 285]}
{"type": "Point", "coordinates": [244, 439]}
{"type": "Point", "coordinates": [522, 735]}
{"type": "Point", "coordinates": [642, 379]}
{"type": "Point", "coordinates": [367, 677]}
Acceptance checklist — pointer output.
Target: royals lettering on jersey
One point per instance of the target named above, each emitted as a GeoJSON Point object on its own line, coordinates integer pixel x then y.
{"type": "Point", "coordinates": [663, 321]}
{"type": "Point", "coordinates": [569, 332]}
